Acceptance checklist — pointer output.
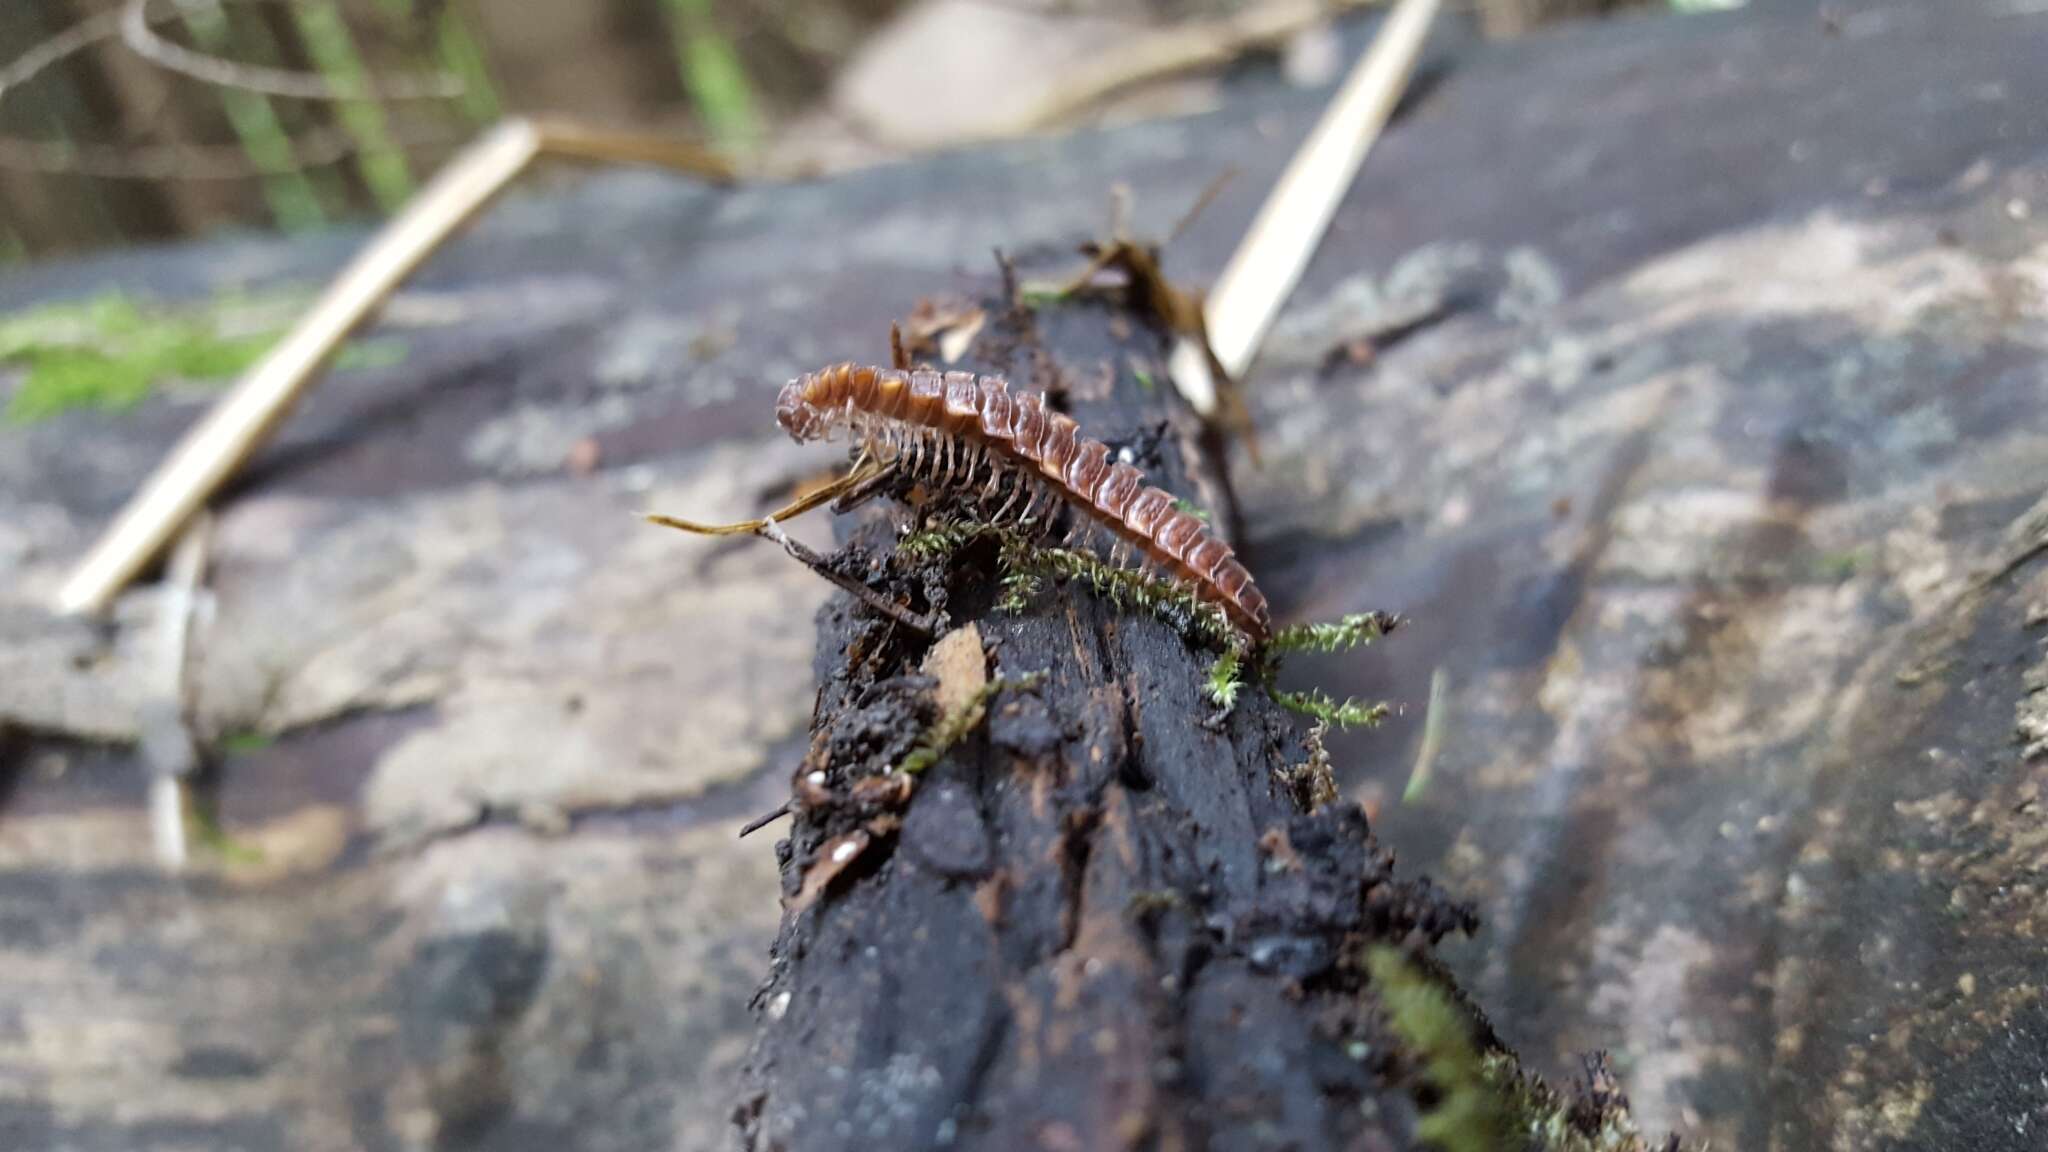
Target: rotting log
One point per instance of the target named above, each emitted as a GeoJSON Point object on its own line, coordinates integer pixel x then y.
{"type": "Point", "coordinates": [1105, 919]}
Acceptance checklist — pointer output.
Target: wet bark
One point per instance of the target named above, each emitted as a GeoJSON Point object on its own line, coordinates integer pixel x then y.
{"type": "Point", "coordinates": [1102, 920]}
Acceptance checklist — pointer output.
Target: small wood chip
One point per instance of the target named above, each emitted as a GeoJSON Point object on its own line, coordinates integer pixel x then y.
{"type": "Point", "coordinates": [961, 669]}
{"type": "Point", "coordinates": [836, 856]}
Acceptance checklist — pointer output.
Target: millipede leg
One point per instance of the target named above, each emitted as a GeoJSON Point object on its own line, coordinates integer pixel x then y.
{"type": "Point", "coordinates": [1016, 489]}
{"type": "Point", "coordinates": [975, 459]}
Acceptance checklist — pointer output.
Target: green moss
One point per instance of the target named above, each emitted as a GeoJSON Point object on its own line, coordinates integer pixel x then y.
{"type": "Point", "coordinates": [1224, 679]}
{"type": "Point", "coordinates": [1470, 1113]}
{"type": "Point", "coordinates": [1355, 630]}
{"type": "Point", "coordinates": [109, 352]}
{"type": "Point", "coordinates": [246, 743]}
{"type": "Point", "coordinates": [1027, 566]}
{"type": "Point", "coordinates": [1318, 705]}
{"type": "Point", "coordinates": [938, 539]}
{"type": "Point", "coordinates": [204, 827]}
{"type": "Point", "coordinates": [1352, 631]}
{"type": "Point", "coordinates": [954, 726]}
{"type": "Point", "coordinates": [1481, 1100]}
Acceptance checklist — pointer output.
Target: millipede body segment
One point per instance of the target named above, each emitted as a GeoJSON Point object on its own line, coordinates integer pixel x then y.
{"type": "Point", "coordinates": [970, 434]}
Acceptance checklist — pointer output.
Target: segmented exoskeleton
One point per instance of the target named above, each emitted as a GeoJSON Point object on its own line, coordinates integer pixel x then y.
{"type": "Point", "coordinates": [1019, 461]}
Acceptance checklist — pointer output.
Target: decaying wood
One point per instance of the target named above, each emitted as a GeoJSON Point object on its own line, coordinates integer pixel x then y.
{"type": "Point", "coordinates": [1097, 922]}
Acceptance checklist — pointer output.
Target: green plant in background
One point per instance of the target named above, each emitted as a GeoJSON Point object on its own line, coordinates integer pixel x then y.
{"type": "Point", "coordinates": [287, 190]}
{"type": "Point", "coordinates": [455, 47]}
{"type": "Point", "coordinates": [464, 57]}
{"type": "Point", "coordinates": [109, 352]}
{"type": "Point", "coordinates": [333, 49]}
{"type": "Point", "coordinates": [713, 75]}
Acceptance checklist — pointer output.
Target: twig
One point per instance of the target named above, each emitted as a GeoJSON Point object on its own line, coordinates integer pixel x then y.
{"type": "Point", "coordinates": [168, 750]}
{"type": "Point", "coordinates": [926, 627]}
{"type": "Point", "coordinates": [860, 491]}
{"type": "Point", "coordinates": [179, 161]}
{"type": "Point", "coordinates": [243, 420]}
{"type": "Point", "coordinates": [190, 162]}
{"type": "Point", "coordinates": [1276, 248]}
{"type": "Point", "coordinates": [142, 40]}
{"type": "Point", "coordinates": [853, 480]}
{"type": "Point", "coordinates": [859, 479]}
{"type": "Point", "coordinates": [765, 819]}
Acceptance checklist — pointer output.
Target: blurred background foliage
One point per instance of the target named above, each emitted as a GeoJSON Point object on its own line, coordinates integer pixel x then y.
{"type": "Point", "coordinates": [203, 115]}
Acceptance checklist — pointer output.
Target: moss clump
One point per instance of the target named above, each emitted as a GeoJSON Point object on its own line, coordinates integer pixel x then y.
{"type": "Point", "coordinates": [1482, 1102]}
{"type": "Point", "coordinates": [107, 353]}
{"type": "Point", "coordinates": [1026, 566]}
{"type": "Point", "coordinates": [1353, 631]}
{"type": "Point", "coordinates": [1225, 678]}
{"type": "Point", "coordinates": [1359, 628]}
{"type": "Point", "coordinates": [1470, 1114]}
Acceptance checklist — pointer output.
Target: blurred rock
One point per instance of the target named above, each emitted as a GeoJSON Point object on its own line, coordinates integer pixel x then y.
{"type": "Point", "coordinates": [949, 70]}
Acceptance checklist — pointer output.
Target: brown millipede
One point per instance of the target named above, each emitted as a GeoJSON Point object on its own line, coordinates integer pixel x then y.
{"type": "Point", "coordinates": [968, 434]}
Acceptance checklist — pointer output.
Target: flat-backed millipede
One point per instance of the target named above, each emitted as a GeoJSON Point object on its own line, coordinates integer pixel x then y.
{"type": "Point", "coordinates": [967, 434]}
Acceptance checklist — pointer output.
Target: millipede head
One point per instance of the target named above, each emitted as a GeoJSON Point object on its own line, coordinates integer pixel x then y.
{"type": "Point", "coordinates": [797, 415]}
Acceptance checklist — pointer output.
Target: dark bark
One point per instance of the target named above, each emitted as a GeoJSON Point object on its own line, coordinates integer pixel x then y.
{"type": "Point", "coordinates": [1101, 921]}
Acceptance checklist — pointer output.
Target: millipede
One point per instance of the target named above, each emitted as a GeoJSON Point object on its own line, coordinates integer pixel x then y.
{"type": "Point", "coordinates": [970, 437]}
